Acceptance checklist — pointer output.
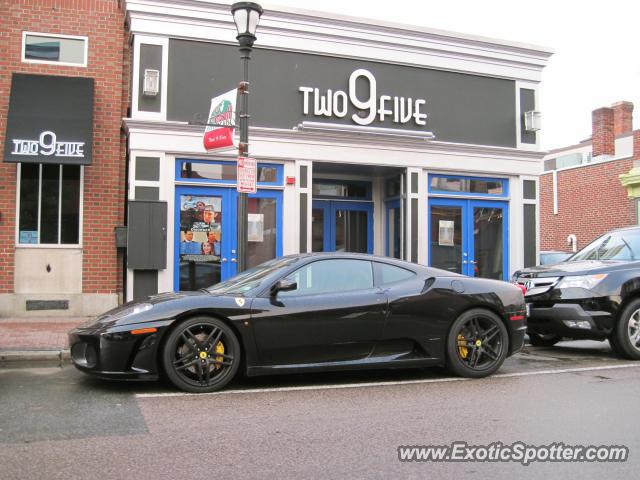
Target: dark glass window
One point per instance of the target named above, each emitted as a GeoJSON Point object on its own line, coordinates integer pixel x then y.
{"type": "Point", "coordinates": [224, 171]}
{"type": "Point", "coordinates": [392, 274]}
{"type": "Point", "coordinates": [209, 171]}
{"type": "Point", "coordinates": [49, 204]}
{"type": "Point", "coordinates": [467, 185]}
{"type": "Point", "coordinates": [70, 208]}
{"type": "Point", "coordinates": [341, 189]}
{"type": "Point", "coordinates": [267, 174]}
{"type": "Point", "coordinates": [331, 276]}
{"type": "Point", "coordinates": [393, 187]}
{"type": "Point", "coordinates": [55, 49]}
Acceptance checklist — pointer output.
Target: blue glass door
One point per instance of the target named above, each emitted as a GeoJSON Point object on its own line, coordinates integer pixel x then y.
{"type": "Point", "coordinates": [204, 236]}
{"type": "Point", "coordinates": [342, 226]}
{"type": "Point", "coordinates": [469, 237]}
{"type": "Point", "coordinates": [205, 233]}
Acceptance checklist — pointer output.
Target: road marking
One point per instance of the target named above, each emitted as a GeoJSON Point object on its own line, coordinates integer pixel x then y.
{"type": "Point", "coordinates": [390, 383]}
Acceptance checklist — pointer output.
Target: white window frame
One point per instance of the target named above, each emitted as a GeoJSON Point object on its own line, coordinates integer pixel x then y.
{"type": "Point", "coordinates": [80, 212]}
{"type": "Point", "coordinates": [55, 35]}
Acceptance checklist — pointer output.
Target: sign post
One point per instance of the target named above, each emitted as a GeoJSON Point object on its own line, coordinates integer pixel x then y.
{"type": "Point", "coordinates": [247, 175]}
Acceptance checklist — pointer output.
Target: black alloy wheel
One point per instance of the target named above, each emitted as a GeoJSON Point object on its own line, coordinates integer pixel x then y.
{"type": "Point", "coordinates": [477, 344]}
{"type": "Point", "coordinates": [201, 355]}
{"type": "Point", "coordinates": [625, 339]}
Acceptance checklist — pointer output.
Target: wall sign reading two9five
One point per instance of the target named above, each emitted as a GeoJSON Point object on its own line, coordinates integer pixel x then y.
{"type": "Point", "coordinates": [335, 104]}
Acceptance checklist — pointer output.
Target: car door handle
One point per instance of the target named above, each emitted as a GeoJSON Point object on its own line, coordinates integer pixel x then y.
{"type": "Point", "coordinates": [223, 260]}
{"type": "Point", "coordinates": [233, 260]}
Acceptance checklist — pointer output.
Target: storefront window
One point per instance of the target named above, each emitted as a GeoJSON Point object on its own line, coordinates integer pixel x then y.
{"type": "Point", "coordinates": [49, 210]}
{"type": "Point", "coordinates": [467, 185]}
{"type": "Point", "coordinates": [224, 171]}
{"type": "Point", "coordinates": [352, 190]}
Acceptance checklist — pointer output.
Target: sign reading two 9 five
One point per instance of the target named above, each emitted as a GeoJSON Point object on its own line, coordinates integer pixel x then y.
{"type": "Point", "coordinates": [50, 120]}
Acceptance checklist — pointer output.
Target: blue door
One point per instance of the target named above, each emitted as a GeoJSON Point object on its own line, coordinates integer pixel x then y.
{"type": "Point", "coordinates": [205, 233]}
{"type": "Point", "coordinates": [342, 226]}
{"type": "Point", "coordinates": [469, 237]}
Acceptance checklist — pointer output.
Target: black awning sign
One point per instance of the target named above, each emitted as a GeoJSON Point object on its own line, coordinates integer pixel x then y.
{"type": "Point", "coordinates": [50, 120]}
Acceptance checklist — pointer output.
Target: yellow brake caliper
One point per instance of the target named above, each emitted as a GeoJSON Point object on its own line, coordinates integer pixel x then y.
{"type": "Point", "coordinates": [219, 349]}
{"type": "Point", "coordinates": [462, 346]}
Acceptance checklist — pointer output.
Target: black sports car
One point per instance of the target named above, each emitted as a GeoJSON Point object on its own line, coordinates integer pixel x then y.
{"type": "Point", "coordinates": [304, 313]}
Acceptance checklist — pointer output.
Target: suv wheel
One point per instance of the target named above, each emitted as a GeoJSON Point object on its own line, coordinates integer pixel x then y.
{"type": "Point", "coordinates": [626, 336]}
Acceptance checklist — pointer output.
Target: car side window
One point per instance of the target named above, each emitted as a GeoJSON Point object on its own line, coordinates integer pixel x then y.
{"type": "Point", "coordinates": [391, 273]}
{"type": "Point", "coordinates": [331, 276]}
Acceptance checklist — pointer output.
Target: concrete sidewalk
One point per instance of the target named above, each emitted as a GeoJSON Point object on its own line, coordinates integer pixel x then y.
{"type": "Point", "coordinates": [41, 340]}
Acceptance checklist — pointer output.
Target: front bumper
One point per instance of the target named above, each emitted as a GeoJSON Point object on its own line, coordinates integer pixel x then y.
{"type": "Point", "coordinates": [116, 353]}
{"type": "Point", "coordinates": [574, 320]}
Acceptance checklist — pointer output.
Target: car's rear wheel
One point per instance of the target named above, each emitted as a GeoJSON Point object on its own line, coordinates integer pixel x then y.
{"type": "Point", "coordinates": [543, 339]}
{"type": "Point", "coordinates": [201, 355]}
{"type": "Point", "coordinates": [626, 336]}
{"type": "Point", "coordinates": [477, 344]}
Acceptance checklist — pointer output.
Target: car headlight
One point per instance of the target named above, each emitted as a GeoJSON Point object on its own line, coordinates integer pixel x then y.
{"type": "Point", "coordinates": [132, 310]}
{"type": "Point", "coordinates": [582, 281]}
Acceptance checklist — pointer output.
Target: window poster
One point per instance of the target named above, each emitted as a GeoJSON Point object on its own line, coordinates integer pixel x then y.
{"type": "Point", "coordinates": [255, 232]}
{"type": "Point", "coordinates": [200, 228]}
{"type": "Point", "coordinates": [445, 233]}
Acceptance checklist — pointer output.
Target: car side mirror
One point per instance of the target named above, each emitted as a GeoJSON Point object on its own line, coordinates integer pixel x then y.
{"type": "Point", "coordinates": [283, 285]}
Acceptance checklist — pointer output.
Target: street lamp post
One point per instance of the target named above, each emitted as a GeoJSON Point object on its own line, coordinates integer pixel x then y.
{"type": "Point", "coordinates": [246, 15]}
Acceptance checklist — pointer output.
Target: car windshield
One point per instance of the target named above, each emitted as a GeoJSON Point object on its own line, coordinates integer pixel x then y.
{"type": "Point", "coordinates": [550, 258]}
{"type": "Point", "coordinates": [623, 245]}
{"type": "Point", "coordinates": [251, 278]}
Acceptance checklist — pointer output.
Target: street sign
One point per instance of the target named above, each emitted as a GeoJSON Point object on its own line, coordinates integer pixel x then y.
{"type": "Point", "coordinates": [219, 132]}
{"type": "Point", "coordinates": [247, 175]}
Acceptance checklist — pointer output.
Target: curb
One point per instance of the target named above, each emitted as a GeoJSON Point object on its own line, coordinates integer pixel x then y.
{"type": "Point", "coordinates": [34, 358]}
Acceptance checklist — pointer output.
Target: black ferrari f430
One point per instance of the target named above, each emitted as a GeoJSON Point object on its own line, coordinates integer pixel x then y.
{"type": "Point", "coordinates": [307, 313]}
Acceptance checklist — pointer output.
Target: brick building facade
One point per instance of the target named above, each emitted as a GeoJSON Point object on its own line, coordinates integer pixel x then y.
{"type": "Point", "coordinates": [76, 270]}
{"type": "Point", "coordinates": [581, 192]}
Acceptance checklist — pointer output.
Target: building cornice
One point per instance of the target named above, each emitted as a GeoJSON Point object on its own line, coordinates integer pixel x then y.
{"type": "Point", "coordinates": [346, 139]}
{"type": "Point", "coordinates": [336, 35]}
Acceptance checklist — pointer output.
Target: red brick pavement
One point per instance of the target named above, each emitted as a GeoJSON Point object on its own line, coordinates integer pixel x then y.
{"type": "Point", "coordinates": [36, 333]}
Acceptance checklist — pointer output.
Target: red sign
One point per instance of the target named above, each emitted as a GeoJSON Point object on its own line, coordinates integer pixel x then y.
{"type": "Point", "coordinates": [218, 135]}
{"type": "Point", "coordinates": [247, 175]}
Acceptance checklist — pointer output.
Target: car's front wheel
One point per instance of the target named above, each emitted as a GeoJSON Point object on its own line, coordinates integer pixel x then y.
{"type": "Point", "coordinates": [201, 355]}
{"type": "Point", "coordinates": [477, 344]}
{"type": "Point", "coordinates": [625, 339]}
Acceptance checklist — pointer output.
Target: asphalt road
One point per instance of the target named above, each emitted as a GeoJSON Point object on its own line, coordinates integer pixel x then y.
{"type": "Point", "coordinates": [59, 423]}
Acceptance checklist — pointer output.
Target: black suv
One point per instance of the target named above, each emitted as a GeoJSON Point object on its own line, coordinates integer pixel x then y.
{"type": "Point", "coordinates": [594, 294]}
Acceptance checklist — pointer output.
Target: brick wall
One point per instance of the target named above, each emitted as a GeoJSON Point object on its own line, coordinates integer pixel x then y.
{"type": "Point", "coordinates": [591, 201]}
{"type": "Point", "coordinates": [102, 21]}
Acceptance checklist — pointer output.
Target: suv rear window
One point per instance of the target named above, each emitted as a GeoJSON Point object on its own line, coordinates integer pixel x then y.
{"type": "Point", "coordinates": [622, 245]}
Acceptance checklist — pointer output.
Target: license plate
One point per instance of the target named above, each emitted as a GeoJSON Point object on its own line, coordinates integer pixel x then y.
{"type": "Point", "coordinates": [528, 309]}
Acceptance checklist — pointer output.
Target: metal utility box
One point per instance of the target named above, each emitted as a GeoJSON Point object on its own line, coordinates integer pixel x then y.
{"type": "Point", "coordinates": [147, 235]}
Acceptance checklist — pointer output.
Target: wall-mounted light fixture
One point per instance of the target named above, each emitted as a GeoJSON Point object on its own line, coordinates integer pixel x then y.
{"type": "Point", "coordinates": [151, 82]}
{"type": "Point", "coordinates": [532, 121]}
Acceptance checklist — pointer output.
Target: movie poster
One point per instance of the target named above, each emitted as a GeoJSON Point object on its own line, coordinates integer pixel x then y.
{"type": "Point", "coordinates": [200, 240]}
